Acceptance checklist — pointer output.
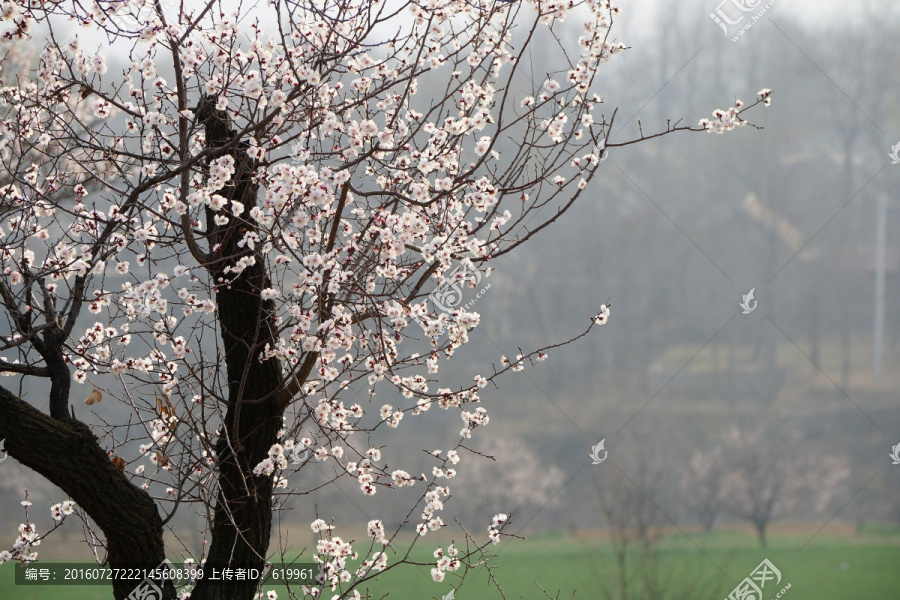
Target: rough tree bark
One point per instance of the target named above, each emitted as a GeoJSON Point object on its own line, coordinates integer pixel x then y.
{"type": "Point", "coordinates": [243, 513]}
{"type": "Point", "coordinates": [67, 453]}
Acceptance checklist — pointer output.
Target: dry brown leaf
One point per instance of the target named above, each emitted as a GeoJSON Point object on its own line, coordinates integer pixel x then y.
{"type": "Point", "coordinates": [162, 459]}
{"type": "Point", "coordinates": [166, 411]}
{"type": "Point", "coordinates": [119, 463]}
{"type": "Point", "coordinates": [93, 397]}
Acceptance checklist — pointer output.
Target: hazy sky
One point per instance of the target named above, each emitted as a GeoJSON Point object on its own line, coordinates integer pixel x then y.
{"type": "Point", "coordinates": [815, 11]}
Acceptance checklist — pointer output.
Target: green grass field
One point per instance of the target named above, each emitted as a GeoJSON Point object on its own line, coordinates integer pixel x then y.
{"type": "Point", "coordinates": [831, 567]}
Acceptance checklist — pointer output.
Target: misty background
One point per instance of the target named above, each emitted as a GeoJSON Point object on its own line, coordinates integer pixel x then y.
{"type": "Point", "coordinates": [680, 383]}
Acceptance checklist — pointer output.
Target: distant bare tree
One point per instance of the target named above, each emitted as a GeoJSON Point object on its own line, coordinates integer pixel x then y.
{"type": "Point", "coordinates": [628, 499]}
{"type": "Point", "coordinates": [702, 486]}
{"type": "Point", "coordinates": [517, 478]}
{"type": "Point", "coordinates": [769, 476]}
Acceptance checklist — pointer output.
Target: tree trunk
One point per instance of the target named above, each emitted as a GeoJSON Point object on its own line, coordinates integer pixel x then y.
{"type": "Point", "coordinates": [242, 518]}
{"type": "Point", "coordinates": [60, 377]}
{"type": "Point", "coordinates": [67, 453]}
{"type": "Point", "coordinates": [708, 520]}
{"type": "Point", "coordinates": [622, 562]}
{"type": "Point", "coordinates": [243, 513]}
{"type": "Point", "coordinates": [761, 533]}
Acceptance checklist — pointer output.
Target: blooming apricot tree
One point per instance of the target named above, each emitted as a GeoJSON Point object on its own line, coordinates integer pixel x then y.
{"type": "Point", "coordinates": [242, 223]}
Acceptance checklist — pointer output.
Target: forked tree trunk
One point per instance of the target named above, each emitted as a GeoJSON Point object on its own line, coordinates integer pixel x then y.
{"type": "Point", "coordinates": [243, 512]}
{"type": "Point", "coordinates": [68, 454]}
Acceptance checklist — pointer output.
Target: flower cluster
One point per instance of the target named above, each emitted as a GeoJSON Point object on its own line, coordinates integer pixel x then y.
{"type": "Point", "coordinates": [603, 316]}
{"type": "Point", "coordinates": [27, 539]}
{"type": "Point", "coordinates": [726, 120]}
{"type": "Point", "coordinates": [61, 510]}
{"type": "Point", "coordinates": [496, 527]}
{"type": "Point", "coordinates": [445, 562]}
{"type": "Point", "coordinates": [433, 503]}
{"type": "Point", "coordinates": [275, 460]}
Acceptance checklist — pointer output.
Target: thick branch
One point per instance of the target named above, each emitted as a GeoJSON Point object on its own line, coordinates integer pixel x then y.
{"type": "Point", "coordinates": [8, 367]}
{"type": "Point", "coordinates": [67, 453]}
